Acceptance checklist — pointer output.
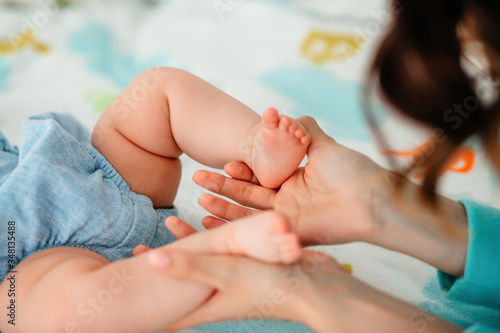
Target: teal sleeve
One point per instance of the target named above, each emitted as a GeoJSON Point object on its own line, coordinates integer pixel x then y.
{"type": "Point", "coordinates": [480, 283]}
{"type": "Point", "coordinates": [481, 329]}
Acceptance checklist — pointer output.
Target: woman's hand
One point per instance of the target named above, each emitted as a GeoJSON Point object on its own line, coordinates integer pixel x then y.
{"type": "Point", "coordinates": [249, 289]}
{"type": "Point", "coordinates": [343, 196]}
{"type": "Point", "coordinates": [329, 201]}
{"type": "Point", "coordinates": [315, 291]}
{"type": "Point", "coordinates": [263, 290]}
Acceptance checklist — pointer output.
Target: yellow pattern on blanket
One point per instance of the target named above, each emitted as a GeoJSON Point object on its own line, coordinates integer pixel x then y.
{"type": "Point", "coordinates": [320, 47]}
{"type": "Point", "coordinates": [25, 39]}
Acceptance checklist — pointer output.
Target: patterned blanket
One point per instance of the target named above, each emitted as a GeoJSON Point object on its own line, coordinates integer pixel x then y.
{"type": "Point", "coordinates": [304, 58]}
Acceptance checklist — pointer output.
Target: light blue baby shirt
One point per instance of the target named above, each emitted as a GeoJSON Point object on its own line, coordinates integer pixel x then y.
{"type": "Point", "coordinates": [58, 190]}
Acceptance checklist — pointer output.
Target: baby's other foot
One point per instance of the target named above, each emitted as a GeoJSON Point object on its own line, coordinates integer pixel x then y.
{"type": "Point", "coordinates": [267, 237]}
{"type": "Point", "coordinates": [287, 243]}
{"type": "Point", "coordinates": [279, 146]}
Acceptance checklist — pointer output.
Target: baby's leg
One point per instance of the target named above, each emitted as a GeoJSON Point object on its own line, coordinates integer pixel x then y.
{"type": "Point", "coordinates": [161, 114]}
{"type": "Point", "coordinates": [165, 112]}
{"type": "Point", "coordinates": [266, 237]}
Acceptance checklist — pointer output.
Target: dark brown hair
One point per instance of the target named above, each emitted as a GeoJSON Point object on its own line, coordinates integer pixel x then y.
{"type": "Point", "coordinates": [419, 71]}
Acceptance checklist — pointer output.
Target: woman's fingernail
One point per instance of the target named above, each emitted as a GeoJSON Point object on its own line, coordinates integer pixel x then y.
{"type": "Point", "coordinates": [159, 259]}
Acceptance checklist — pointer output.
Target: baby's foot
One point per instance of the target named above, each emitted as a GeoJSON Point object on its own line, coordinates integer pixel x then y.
{"type": "Point", "coordinates": [287, 243]}
{"type": "Point", "coordinates": [279, 146]}
{"type": "Point", "coordinates": [267, 237]}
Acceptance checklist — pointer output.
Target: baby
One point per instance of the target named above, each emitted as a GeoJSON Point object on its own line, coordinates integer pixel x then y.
{"type": "Point", "coordinates": [74, 206]}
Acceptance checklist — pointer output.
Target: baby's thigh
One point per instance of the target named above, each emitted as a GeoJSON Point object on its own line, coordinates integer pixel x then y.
{"type": "Point", "coordinates": [154, 176]}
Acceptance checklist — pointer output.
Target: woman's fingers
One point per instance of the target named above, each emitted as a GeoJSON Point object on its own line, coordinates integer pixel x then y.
{"type": "Point", "coordinates": [244, 193]}
{"type": "Point", "coordinates": [211, 222]}
{"type": "Point", "coordinates": [223, 209]}
{"type": "Point", "coordinates": [228, 275]}
{"type": "Point", "coordinates": [140, 249]}
{"type": "Point", "coordinates": [215, 309]}
{"type": "Point", "coordinates": [178, 227]}
{"type": "Point", "coordinates": [248, 279]}
{"type": "Point", "coordinates": [220, 271]}
{"type": "Point", "coordinates": [195, 267]}
{"type": "Point", "coordinates": [202, 315]}
{"type": "Point", "coordinates": [240, 171]}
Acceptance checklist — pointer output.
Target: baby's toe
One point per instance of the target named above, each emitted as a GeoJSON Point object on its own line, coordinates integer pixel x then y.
{"type": "Point", "coordinates": [287, 241]}
{"type": "Point", "coordinates": [270, 118]}
{"type": "Point", "coordinates": [291, 257]}
{"type": "Point", "coordinates": [289, 247]}
{"type": "Point", "coordinates": [306, 140]}
{"type": "Point", "coordinates": [293, 127]}
{"type": "Point", "coordinates": [300, 132]}
{"type": "Point", "coordinates": [285, 123]}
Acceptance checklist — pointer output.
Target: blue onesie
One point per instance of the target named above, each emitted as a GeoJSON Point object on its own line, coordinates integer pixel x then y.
{"type": "Point", "coordinates": [58, 190]}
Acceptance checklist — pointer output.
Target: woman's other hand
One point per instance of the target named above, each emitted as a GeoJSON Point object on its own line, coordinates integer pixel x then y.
{"type": "Point", "coordinates": [315, 291]}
